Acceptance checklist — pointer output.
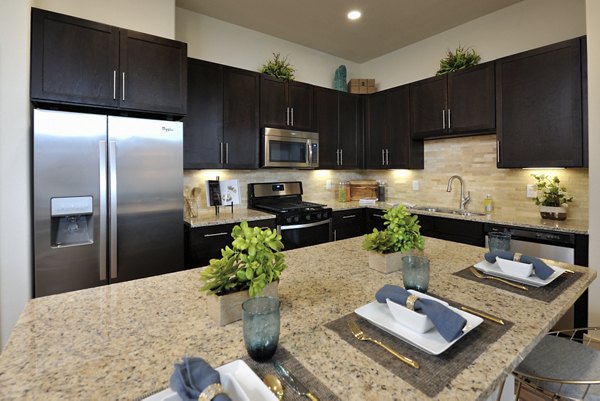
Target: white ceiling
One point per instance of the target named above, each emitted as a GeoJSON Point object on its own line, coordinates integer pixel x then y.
{"type": "Point", "coordinates": [386, 25]}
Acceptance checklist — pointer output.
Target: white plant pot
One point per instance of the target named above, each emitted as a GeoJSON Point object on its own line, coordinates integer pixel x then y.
{"type": "Point", "coordinates": [553, 212]}
{"type": "Point", "coordinates": [225, 309]}
{"type": "Point", "coordinates": [386, 263]}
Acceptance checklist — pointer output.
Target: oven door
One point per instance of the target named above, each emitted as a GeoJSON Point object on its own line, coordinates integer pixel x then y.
{"type": "Point", "coordinates": [300, 235]}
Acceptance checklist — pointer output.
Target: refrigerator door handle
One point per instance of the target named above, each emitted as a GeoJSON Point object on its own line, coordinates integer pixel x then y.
{"type": "Point", "coordinates": [103, 205]}
{"type": "Point", "coordinates": [112, 174]}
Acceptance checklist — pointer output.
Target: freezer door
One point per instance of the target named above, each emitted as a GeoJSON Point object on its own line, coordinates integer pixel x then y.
{"type": "Point", "coordinates": [145, 197]}
{"type": "Point", "coordinates": [68, 155]}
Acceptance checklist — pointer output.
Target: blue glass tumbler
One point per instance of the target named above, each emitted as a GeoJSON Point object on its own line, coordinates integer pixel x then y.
{"type": "Point", "coordinates": [499, 241]}
{"type": "Point", "coordinates": [261, 327]}
{"type": "Point", "coordinates": [415, 273]}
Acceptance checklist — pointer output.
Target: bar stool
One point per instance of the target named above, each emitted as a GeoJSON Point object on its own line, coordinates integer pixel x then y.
{"type": "Point", "coordinates": [563, 366]}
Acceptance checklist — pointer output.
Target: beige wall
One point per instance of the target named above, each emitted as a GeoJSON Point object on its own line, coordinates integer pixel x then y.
{"type": "Point", "coordinates": [15, 220]}
{"type": "Point", "coordinates": [214, 40]}
{"type": "Point", "coordinates": [156, 17]}
{"type": "Point", "coordinates": [593, 42]}
{"type": "Point", "coordinates": [522, 26]}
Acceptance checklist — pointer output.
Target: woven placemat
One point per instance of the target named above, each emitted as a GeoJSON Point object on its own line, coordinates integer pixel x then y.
{"type": "Point", "coordinates": [436, 371]}
{"type": "Point", "coordinates": [547, 293]}
{"type": "Point", "coordinates": [310, 381]}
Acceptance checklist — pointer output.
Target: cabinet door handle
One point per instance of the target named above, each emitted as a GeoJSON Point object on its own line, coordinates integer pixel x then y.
{"type": "Point", "coordinates": [498, 151]}
{"type": "Point", "coordinates": [292, 116]}
{"type": "Point", "coordinates": [287, 116]}
{"type": "Point", "coordinates": [335, 235]}
{"type": "Point", "coordinates": [377, 215]}
{"type": "Point", "coordinates": [123, 86]}
{"type": "Point", "coordinates": [382, 157]}
{"type": "Point", "coordinates": [220, 152]}
{"type": "Point", "coordinates": [341, 157]}
{"type": "Point", "coordinates": [387, 157]}
{"type": "Point", "coordinates": [443, 119]}
{"type": "Point", "coordinates": [215, 235]}
{"type": "Point", "coordinates": [114, 84]}
{"type": "Point", "coordinates": [337, 157]}
{"type": "Point", "coordinates": [449, 120]}
{"type": "Point", "coordinates": [226, 152]}
{"type": "Point", "coordinates": [350, 216]}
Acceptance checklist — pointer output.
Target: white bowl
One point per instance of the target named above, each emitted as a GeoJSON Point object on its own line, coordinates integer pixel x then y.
{"type": "Point", "coordinates": [411, 319]}
{"type": "Point", "coordinates": [513, 268]}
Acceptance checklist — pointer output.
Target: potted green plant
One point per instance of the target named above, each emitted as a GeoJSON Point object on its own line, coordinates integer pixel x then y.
{"type": "Point", "coordinates": [250, 267]}
{"type": "Point", "coordinates": [457, 60]}
{"type": "Point", "coordinates": [552, 198]}
{"type": "Point", "coordinates": [278, 67]}
{"type": "Point", "coordinates": [401, 236]}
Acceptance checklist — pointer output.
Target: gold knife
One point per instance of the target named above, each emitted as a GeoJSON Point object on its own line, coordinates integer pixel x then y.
{"type": "Point", "coordinates": [483, 315]}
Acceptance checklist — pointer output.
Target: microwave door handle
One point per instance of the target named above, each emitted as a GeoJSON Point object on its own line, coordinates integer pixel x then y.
{"type": "Point", "coordinates": [309, 153]}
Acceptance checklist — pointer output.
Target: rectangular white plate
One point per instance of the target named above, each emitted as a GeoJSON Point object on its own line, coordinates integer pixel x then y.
{"type": "Point", "coordinates": [431, 342]}
{"type": "Point", "coordinates": [494, 270]}
{"type": "Point", "coordinates": [240, 382]}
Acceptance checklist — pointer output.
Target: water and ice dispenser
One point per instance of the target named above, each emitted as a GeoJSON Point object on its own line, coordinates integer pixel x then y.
{"type": "Point", "coordinates": [71, 221]}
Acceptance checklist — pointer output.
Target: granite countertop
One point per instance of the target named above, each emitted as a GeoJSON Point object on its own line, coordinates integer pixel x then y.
{"type": "Point", "coordinates": [207, 217]}
{"type": "Point", "coordinates": [533, 221]}
{"type": "Point", "coordinates": [120, 341]}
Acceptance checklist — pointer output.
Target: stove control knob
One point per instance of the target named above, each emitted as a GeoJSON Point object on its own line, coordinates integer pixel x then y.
{"type": "Point", "coordinates": [325, 215]}
{"type": "Point", "coordinates": [296, 219]}
{"type": "Point", "coordinates": [307, 217]}
{"type": "Point", "coordinates": [318, 216]}
{"type": "Point", "coordinates": [288, 219]}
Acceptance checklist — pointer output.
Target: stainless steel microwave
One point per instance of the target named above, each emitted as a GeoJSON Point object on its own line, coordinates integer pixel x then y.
{"type": "Point", "coordinates": [288, 148]}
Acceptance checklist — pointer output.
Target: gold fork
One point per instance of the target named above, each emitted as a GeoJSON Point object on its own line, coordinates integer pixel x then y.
{"type": "Point", "coordinates": [358, 333]}
{"type": "Point", "coordinates": [478, 274]}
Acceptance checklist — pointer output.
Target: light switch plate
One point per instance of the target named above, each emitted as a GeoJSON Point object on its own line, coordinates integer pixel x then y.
{"type": "Point", "coordinates": [328, 184]}
{"type": "Point", "coordinates": [415, 185]}
{"type": "Point", "coordinates": [531, 192]}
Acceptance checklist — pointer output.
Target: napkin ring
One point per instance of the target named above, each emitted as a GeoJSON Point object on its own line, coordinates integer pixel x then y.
{"type": "Point", "coordinates": [211, 392]}
{"type": "Point", "coordinates": [517, 256]}
{"type": "Point", "coordinates": [410, 301]}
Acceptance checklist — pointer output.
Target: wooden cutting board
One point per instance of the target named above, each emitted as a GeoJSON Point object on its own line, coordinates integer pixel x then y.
{"type": "Point", "coordinates": [361, 189]}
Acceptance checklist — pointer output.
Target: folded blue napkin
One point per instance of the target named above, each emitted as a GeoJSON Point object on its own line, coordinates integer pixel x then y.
{"type": "Point", "coordinates": [542, 270]}
{"type": "Point", "coordinates": [192, 376]}
{"type": "Point", "coordinates": [447, 322]}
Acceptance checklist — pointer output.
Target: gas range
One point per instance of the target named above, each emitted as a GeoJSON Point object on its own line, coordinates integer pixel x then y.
{"type": "Point", "coordinates": [300, 223]}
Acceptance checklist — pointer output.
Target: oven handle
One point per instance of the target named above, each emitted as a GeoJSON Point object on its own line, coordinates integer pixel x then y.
{"type": "Point", "coordinates": [300, 226]}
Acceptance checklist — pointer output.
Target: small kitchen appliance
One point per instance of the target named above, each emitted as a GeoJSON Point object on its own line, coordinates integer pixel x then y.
{"type": "Point", "coordinates": [300, 223]}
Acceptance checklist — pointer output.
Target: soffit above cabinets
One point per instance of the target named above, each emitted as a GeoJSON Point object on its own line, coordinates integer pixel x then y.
{"type": "Point", "coordinates": [385, 26]}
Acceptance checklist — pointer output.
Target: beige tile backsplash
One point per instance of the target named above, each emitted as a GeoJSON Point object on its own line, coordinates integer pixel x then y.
{"type": "Point", "coordinates": [473, 158]}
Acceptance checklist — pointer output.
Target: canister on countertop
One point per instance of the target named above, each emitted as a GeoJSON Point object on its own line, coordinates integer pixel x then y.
{"type": "Point", "coordinates": [488, 204]}
{"type": "Point", "coordinates": [381, 191]}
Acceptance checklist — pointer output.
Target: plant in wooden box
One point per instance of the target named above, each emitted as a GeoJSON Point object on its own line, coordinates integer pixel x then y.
{"type": "Point", "coordinates": [552, 198]}
{"type": "Point", "coordinates": [250, 267]}
{"type": "Point", "coordinates": [401, 236]}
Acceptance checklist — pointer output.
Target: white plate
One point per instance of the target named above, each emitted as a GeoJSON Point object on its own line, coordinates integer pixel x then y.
{"type": "Point", "coordinates": [494, 270]}
{"type": "Point", "coordinates": [240, 382]}
{"type": "Point", "coordinates": [431, 342]}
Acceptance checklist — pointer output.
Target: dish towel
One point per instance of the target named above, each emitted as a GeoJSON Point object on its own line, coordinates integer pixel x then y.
{"type": "Point", "coordinates": [447, 322]}
{"type": "Point", "coordinates": [542, 270]}
{"type": "Point", "coordinates": [192, 376]}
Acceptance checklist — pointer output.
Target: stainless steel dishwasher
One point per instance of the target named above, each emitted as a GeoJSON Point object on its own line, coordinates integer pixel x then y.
{"type": "Point", "coordinates": [542, 244]}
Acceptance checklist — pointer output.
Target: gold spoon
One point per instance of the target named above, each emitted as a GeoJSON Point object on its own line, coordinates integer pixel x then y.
{"type": "Point", "coordinates": [274, 384]}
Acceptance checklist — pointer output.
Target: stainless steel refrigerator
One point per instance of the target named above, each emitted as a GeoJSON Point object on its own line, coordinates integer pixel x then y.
{"type": "Point", "coordinates": [107, 203]}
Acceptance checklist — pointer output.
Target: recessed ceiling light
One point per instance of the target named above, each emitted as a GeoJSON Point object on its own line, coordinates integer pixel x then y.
{"type": "Point", "coordinates": [354, 14]}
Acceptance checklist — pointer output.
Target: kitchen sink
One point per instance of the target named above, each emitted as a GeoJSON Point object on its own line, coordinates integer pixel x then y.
{"type": "Point", "coordinates": [447, 210]}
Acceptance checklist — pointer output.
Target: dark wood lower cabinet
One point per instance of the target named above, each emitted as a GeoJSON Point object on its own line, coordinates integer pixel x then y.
{"type": "Point", "coordinates": [348, 224]}
{"type": "Point", "coordinates": [202, 244]}
{"type": "Point", "coordinates": [463, 231]}
{"type": "Point", "coordinates": [374, 219]}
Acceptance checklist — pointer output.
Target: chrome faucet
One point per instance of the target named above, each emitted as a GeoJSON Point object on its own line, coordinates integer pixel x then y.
{"type": "Point", "coordinates": [463, 200]}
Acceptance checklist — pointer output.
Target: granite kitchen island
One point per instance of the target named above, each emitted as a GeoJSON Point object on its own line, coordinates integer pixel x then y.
{"type": "Point", "coordinates": [121, 341]}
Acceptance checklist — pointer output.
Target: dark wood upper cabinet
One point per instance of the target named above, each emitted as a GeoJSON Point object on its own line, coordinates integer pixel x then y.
{"type": "Point", "coordinates": [77, 62]}
{"type": "Point", "coordinates": [339, 123]}
{"type": "Point", "coordinates": [454, 104]}
{"type": "Point", "coordinates": [388, 141]}
{"type": "Point", "coordinates": [541, 106]}
{"type": "Point", "coordinates": [286, 104]}
{"type": "Point", "coordinates": [221, 129]}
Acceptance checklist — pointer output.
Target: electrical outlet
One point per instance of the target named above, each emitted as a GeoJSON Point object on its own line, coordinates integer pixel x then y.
{"type": "Point", "coordinates": [531, 192]}
{"type": "Point", "coordinates": [415, 185]}
{"type": "Point", "coordinates": [328, 184]}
